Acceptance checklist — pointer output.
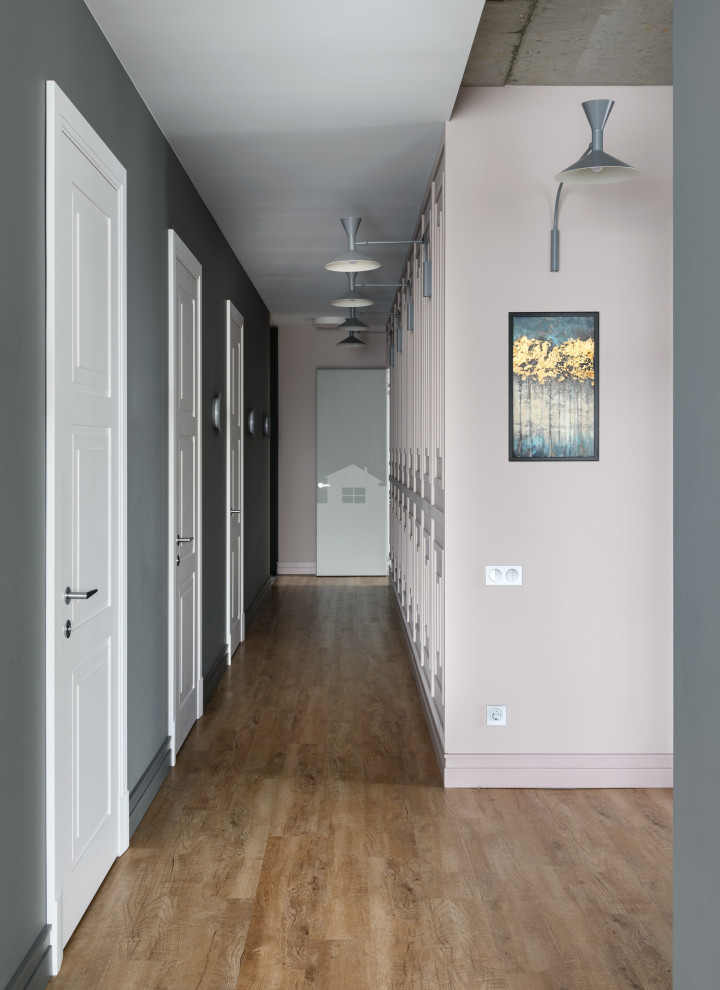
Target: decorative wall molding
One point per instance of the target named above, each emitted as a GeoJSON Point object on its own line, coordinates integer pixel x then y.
{"type": "Point", "coordinates": [417, 454]}
{"type": "Point", "coordinates": [431, 718]}
{"type": "Point", "coordinates": [142, 794]}
{"type": "Point", "coordinates": [420, 502]}
{"type": "Point", "coordinates": [296, 567]}
{"type": "Point", "coordinates": [214, 675]}
{"type": "Point", "coordinates": [558, 770]}
{"type": "Point", "coordinates": [34, 972]}
{"type": "Point", "coordinates": [251, 613]}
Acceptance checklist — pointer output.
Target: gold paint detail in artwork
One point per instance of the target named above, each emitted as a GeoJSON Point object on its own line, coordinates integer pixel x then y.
{"type": "Point", "coordinates": [541, 360]}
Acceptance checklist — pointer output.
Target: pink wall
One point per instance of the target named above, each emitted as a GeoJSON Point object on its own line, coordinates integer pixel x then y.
{"type": "Point", "coordinates": [581, 654]}
{"type": "Point", "coordinates": [301, 351]}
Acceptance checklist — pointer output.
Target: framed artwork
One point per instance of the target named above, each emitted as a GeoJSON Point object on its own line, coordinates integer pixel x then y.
{"type": "Point", "coordinates": [554, 413]}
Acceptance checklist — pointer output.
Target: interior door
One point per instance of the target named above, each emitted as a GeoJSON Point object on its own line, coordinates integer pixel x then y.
{"type": "Point", "coordinates": [185, 493]}
{"type": "Point", "coordinates": [235, 433]}
{"type": "Point", "coordinates": [352, 472]}
{"type": "Point", "coordinates": [87, 780]}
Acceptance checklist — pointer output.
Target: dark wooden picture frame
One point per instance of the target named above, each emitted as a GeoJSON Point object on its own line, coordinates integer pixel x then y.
{"type": "Point", "coordinates": [554, 410]}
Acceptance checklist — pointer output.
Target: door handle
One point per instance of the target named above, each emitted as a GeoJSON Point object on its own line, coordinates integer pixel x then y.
{"type": "Point", "coordinates": [79, 595]}
{"type": "Point", "coordinates": [235, 511]}
{"type": "Point", "coordinates": [184, 539]}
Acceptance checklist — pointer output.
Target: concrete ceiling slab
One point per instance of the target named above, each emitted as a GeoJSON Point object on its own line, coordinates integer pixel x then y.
{"type": "Point", "coordinates": [572, 43]}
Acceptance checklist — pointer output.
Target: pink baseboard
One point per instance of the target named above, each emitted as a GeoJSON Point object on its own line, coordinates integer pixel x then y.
{"type": "Point", "coordinates": [558, 770]}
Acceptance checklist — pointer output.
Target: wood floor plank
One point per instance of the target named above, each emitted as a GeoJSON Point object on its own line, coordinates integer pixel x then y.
{"type": "Point", "coordinates": [304, 840]}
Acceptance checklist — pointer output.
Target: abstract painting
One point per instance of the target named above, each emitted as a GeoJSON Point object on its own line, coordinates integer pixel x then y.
{"type": "Point", "coordinates": [554, 386]}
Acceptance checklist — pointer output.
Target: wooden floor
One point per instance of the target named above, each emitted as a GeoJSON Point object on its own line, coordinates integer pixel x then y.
{"type": "Point", "coordinates": [304, 840]}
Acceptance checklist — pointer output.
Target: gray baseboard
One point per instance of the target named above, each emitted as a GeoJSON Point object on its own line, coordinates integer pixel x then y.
{"type": "Point", "coordinates": [144, 791]}
{"type": "Point", "coordinates": [33, 973]}
{"type": "Point", "coordinates": [252, 612]}
{"type": "Point", "coordinates": [214, 676]}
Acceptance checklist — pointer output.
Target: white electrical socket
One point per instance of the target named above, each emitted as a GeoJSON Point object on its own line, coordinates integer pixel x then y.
{"type": "Point", "coordinates": [509, 575]}
{"type": "Point", "coordinates": [496, 714]}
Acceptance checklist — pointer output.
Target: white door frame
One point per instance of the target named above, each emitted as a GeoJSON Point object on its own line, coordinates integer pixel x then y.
{"type": "Point", "coordinates": [232, 313]}
{"type": "Point", "coordinates": [176, 249]}
{"type": "Point", "coordinates": [65, 122]}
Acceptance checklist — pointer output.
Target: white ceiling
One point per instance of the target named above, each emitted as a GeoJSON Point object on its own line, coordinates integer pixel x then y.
{"type": "Point", "coordinates": [289, 115]}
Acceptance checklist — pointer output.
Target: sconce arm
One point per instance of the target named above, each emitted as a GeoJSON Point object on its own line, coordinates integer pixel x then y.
{"type": "Point", "coordinates": [555, 233]}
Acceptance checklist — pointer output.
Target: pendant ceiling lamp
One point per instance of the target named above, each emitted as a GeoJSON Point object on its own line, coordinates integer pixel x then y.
{"type": "Point", "coordinates": [595, 166]}
{"type": "Point", "coordinates": [352, 299]}
{"type": "Point", "coordinates": [352, 260]}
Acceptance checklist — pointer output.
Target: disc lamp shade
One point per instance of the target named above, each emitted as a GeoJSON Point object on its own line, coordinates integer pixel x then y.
{"type": "Point", "coordinates": [352, 323]}
{"type": "Point", "coordinates": [596, 165]}
{"type": "Point", "coordinates": [352, 260]}
{"type": "Point", "coordinates": [350, 302]}
{"type": "Point", "coordinates": [351, 341]}
{"type": "Point", "coordinates": [327, 321]}
{"type": "Point", "coordinates": [352, 299]}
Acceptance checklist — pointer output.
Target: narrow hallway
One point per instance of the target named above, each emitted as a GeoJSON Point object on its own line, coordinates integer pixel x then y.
{"type": "Point", "coordinates": [304, 840]}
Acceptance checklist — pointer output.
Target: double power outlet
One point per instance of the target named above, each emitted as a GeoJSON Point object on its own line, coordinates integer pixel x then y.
{"type": "Point", "coordinates": [507, 575]}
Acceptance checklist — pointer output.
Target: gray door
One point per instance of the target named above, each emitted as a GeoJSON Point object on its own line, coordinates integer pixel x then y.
{"type": "Point", "coordinates": [352, 472]}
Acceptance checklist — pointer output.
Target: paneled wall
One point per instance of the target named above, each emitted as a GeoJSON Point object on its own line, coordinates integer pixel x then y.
{"type": "Point", "coordinates": [417, 454]}
{"type": "Point", "coordinates": [579, 633]}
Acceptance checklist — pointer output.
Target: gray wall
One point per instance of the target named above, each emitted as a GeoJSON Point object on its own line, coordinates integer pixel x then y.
{"type": "Point", "coordinates": [697, 495]}
{"type": "Point", "coordinates": [58, 39]}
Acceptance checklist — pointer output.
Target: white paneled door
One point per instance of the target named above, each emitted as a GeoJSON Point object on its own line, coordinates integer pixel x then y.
{"type": "Point", "coordinates": [185, 514]}
{"type": "Point", "coordinates": [86, 709]}
{"type": "Point", "coordinates": [236, 616]}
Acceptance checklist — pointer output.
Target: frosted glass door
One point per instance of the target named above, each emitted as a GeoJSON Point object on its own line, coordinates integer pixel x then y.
{"type": "Point", "coordinates": [352, 472]}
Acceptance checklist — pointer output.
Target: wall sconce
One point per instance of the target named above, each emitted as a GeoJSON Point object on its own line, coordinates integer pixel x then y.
{"type": "Point", "coordinates": [352, 260]}
{"type": "Point", "coordinates": [594, 166]}
{"type": "Point", "coordinates": [216, 413]}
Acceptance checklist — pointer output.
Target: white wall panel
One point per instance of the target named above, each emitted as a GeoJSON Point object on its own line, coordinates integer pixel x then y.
{"type": "Point", "coordinates": [416, 440]}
